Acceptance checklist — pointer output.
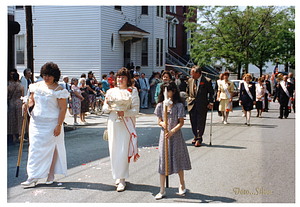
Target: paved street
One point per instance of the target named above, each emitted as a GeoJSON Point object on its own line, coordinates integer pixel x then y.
{"type": "Point", "coordinates": [253, 164]}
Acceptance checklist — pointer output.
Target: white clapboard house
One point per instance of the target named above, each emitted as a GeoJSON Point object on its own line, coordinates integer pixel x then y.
{"type": "Point", "coordinates": [98, 38]}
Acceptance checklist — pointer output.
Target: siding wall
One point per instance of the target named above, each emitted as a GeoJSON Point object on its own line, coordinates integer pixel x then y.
{"type": "Point", "coordinates": [78, 38]}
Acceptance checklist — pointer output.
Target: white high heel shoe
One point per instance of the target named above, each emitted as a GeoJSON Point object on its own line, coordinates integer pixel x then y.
{"type": "Point", "coordinates": [160, 195]}
{"type": "Point", "coordinates": [182, 192]}
{"type": "Point", "coordinates": [29, 182]}
{"type": "Point", "coordinates": [49, 182]}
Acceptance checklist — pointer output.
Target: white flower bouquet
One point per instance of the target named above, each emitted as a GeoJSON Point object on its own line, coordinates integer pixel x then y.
{"type": "Point", "coordinates": [119, 100]}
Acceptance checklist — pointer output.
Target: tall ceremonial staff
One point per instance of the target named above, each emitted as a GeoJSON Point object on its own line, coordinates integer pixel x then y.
{"type": "Point", "coordinates": [211, 116]}
{"type": "Point", "coordinates": [166, 140]}
{"type": "Point", "coordinates": [25, 99]}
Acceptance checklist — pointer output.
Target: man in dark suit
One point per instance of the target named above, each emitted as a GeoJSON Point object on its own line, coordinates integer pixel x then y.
{"type": "Point", "coordinates": [268, 86]}
{"type": "Point", "coordinates": [291, 79]}
{"type": "Point", "coordinates": [137, 83]}
{"type": "Point", "coordinates": [283, 97]}
{"type": "Point", "coordinates": [199, 93]}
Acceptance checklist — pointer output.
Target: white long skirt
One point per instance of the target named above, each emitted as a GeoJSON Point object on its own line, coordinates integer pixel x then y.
{"type": "Point", "coordinates": [118, 141]}
{"type": "Point", "coordinates": [41, 149]}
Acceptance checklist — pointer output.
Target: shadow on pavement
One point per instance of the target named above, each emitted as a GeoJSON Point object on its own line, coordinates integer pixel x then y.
{"type": "Point", "coordinates": [218, 146]}
{"type": "Point", "coordinates": [171, 192]}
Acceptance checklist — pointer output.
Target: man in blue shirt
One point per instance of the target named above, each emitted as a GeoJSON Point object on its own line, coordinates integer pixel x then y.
{"type": "Point", "coordinates": [145, 87]}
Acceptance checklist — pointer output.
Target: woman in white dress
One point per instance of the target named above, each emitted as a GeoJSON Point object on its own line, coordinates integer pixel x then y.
{"type": "Point", "coordinates": [47, 154]}
{"type": "Point", "coordinates": [118, 136]}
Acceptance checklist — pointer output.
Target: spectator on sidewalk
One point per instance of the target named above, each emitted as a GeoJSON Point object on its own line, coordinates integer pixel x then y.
{"type": "Point", "coordinates": [217, 86]}
{"type": "Point", "coordinates": [137, 83]}
{"type": "Point", "coordinates": [85, 102]}
{"type": "Point", "coordinates": [83, 75]}
{"type": "Point", "coordinates": [153, 84]}
{"type": "Point", "coordinates": [145, 88]}
{"type": "Point", "coordinates": [25, 80]}
{"type": "Point", "coordinates": [76, 99]}
{"type": "Point", "coordinates": [91, 81]}
{"type": "Point", "coordinates": [111, 79]}
{"type": "Point", "coordinates": [105, 83]}
{"type": "Point", "coordinates": [268, 93]}
{"type": "Point", "coordinates": [14, 117]}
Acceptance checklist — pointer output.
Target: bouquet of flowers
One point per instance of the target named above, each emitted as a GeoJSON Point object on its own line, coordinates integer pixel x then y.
{"type": "Point", "coordinates": [119, 100]}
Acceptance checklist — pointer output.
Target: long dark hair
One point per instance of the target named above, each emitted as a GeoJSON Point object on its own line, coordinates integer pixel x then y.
{"type": "Point", "coordinates": [171, 86]}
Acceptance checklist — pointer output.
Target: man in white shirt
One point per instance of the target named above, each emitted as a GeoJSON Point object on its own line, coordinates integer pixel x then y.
{"type": "Point", "coordinates": [65, 85]}
{"type": "Point", "coordinates": [25, 80]}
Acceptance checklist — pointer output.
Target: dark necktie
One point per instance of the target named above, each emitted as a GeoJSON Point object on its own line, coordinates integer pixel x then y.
{"type": "Point", "coordinates": [195, 87]}
{"type": "Point", "coordinates": [145, 83]}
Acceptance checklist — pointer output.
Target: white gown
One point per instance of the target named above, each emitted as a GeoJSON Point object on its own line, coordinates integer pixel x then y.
{"type": "Point", "coordinates": [41, 139]}
{"type": "Point", "coordinates": [118, 136]}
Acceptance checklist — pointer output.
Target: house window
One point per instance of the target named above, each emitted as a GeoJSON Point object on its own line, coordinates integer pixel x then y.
{"type": "Point", "coordinates": [20, 49]}
{"type": "Point", "coordinates": [188, 44]}
{"type": "Point", "coordinates": [172, 35]}
{"type": "Point", "coordinates": [159, 52]}
{"type": "Point", "coordinates": [19, 7]}
{"type": "Point", "coordinates": [144, 9]}
{"type": "Point", "coordinates": [119, 8]}
{"type": "Point", "coordinates": [161, 11]}
{"type": "Point", "coordinates": [157, 11]}
{"type": "Point", "coordinates": [173, 9]}
{"type": "Point", "coordinates": [112, 42]}
{"type": "Point", "coordinates": [145, 52]}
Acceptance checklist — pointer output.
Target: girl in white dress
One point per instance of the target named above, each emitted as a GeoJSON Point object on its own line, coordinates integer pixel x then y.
{"type": "Point", "coordinates": [118, 136]}
{"type": "Point", "coordinates": [47, 154]}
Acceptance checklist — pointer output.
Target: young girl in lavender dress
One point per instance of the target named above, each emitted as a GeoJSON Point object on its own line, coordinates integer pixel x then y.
{"type": "Point", "coordinates": [178, 156]}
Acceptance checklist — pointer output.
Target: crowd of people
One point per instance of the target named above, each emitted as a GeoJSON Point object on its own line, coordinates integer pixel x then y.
{"type": "Point", "coordinates": [48, 101]}
{"type": "Point", "coordinates": [256, 92]}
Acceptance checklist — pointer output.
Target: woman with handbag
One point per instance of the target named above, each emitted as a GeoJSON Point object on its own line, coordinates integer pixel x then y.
{"type": "Point", "coordinates": [46, 154]}
{"type": "Point", "coordinates": [14, 117]}
{"type": "Point", "coordinates": [118, 132]}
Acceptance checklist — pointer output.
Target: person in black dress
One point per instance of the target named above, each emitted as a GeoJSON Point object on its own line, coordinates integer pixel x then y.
{"type": "Point", "coordinates": [284, 94]}
{"type": "Point", "coordinates": [247, 96]}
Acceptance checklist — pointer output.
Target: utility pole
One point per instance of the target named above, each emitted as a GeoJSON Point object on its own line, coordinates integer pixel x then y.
{"type": "Point", "coordinates": [29, 34]}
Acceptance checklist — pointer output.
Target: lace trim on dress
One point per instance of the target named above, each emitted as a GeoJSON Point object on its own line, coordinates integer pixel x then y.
{"type": "Point", "coordinates": [48, 92]}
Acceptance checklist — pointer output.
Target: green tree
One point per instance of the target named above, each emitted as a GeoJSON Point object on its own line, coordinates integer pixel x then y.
{"type": "Point", "coordinates": [234, 37]}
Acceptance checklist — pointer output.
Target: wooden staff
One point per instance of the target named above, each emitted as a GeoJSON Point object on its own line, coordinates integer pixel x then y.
{"type": "Point", "coordinates": [211, 116]}
{"type": "Point", "coordinates": [22, 134]}
{"type": "Point", "coordinates": [166, 140]}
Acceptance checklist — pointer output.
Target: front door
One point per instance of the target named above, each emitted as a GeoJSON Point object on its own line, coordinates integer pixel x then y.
{"type": "Point", "coordinates": [127, 50]}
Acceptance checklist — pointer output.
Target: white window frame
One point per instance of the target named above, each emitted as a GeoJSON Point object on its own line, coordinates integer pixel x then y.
{"type": "Point", "coordinates": [20, 47]}
{"type": "Point", "coordinates": [172, 35]}
{"type": "Point", "coordinates": [173, 9]}
{"type": "Point", "coordinates": [188, 44]}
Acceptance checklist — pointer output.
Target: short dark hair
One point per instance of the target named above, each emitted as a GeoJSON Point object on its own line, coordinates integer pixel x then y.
{"type": "Point", "coordinates": [16, 77]}
{"type": "Point", "coordinates": [26, 70]}
{"type": "Point", "coordinates": [103, 76]}
{"type": "Point", "coordinates": [138, 67]}
{"type": "Point", "coordinates": [124, 72]}
{"type": "Point", "coordinates": [51, 69]}
{"type": "Point", "coordinates": [83, 75]}
{"type": "Point", "coordinates": [111, 72]}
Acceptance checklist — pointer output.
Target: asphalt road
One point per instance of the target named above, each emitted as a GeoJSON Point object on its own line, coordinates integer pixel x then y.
{"type": "Point", "coordinates": [254, 164]}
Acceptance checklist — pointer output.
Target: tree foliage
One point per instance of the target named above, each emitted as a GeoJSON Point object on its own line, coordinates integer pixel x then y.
{"type": "Point", "coordinates": [235, 37]}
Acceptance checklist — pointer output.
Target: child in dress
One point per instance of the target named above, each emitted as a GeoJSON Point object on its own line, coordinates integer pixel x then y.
{"type": "Point", "coordinates": [178, 156]}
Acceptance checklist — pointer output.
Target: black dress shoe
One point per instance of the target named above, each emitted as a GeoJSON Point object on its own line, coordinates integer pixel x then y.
{"type": "Point", "coordinates": [279, 117]}
{"type": "Point", "coordinates": [194, 141]}
{"type": "Point", "coordinates": [285, 117]}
